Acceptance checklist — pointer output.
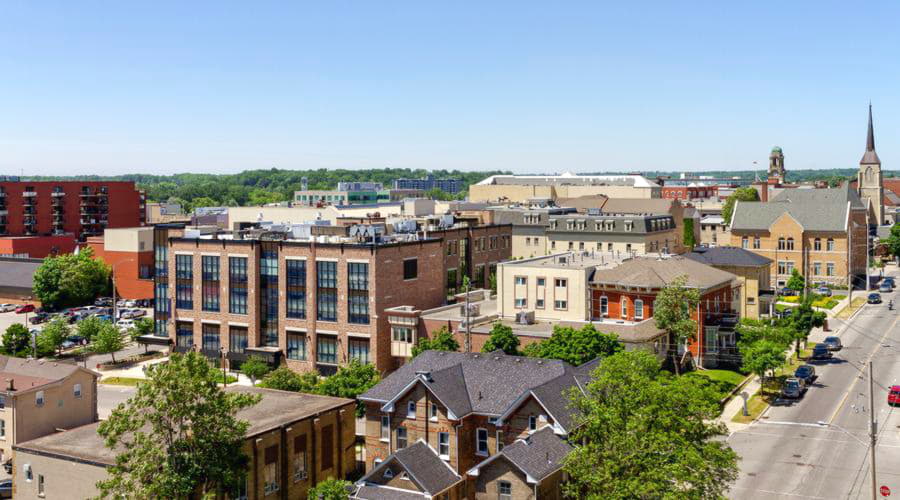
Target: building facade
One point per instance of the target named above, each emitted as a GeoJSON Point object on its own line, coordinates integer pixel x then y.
{"type": "Point", "coordinates": [427, 183]}
{"type": "Point", "coordinates": [753, 272]}
{"type": "Point", "coordinates": [523, 188]}
{"type": "Point", "coordinates": [870, 178]}
{"type": "Point", "coordinates": [37, 247]}
{"type": "Point", "coordinates": [129, 254]}
{"type": "Point", "coordinates": [690, 192]}
{"type": "Point", "coordinates": [81, 208]}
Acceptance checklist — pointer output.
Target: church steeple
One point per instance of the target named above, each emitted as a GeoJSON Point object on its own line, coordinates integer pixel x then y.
{"type": "Point", "coordinates": [869, 180]}
{"type": "Point", "coordinates": [870, 157]}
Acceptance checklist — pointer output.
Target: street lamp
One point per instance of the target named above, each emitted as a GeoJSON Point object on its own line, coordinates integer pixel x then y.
{"type": "Point", "coordinates": [224, 376]}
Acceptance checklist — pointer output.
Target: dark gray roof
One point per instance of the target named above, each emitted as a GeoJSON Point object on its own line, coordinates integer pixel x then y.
{"type": "Point", "coordinates": [870, 157]}
{"type": "Point", "coordinates": [538, 455]}
{"type": "Point", "coordinates": [276, 408]}
{"type": "Point", "coordinates": [18, 273]}
{"type": "Point", "coordinates": [424, 466]}
{"type": "Point", "coordinates": [814, 209]}
{"type": "Point", "coordinates": [641, 223]}
{"type": "Point", "coordinates": [728, 256]}
{"type": "Point", "coordinates": [373, 492]}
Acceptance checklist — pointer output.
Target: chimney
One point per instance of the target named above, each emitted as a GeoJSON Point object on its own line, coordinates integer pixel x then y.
{"type": "Point", "coordinates": [10, 385]}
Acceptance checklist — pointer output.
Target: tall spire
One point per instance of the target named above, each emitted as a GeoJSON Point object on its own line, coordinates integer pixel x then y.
{"type": "Point", "coordinates": [870, 156]}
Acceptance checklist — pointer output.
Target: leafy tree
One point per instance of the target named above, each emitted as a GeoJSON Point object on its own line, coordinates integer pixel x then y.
{"type": "Point", "coordinates": [285, 379]}
{"type": "Point", "coordinates": [492, 282]}
{"type": "Point", "coordinates": [690, 241]}
{"type": "Point", "coordinates": [672, 313]}
{"type": "Point", "coordinates": [439, 194]}
{"type": "Point", "coordinates": [142, 326]}
{"type": "Point", "coordinates": [502, 338]}
{"type": "Point", "coordinates": [255, 368]}
{"type": "Point", "coordinates": [16, 340]}
{"type": "Point", "coordinates": [442, 340]}
{"type": "Point", "coordinates": [647, 434]}
{"type": "Point", "coordinates": [330, 489]}
{"type": "Point", "coordinates": [740, 194]}
{"type": "Point", "coordinates": [761, 357]}
{"type": "Point", "coordinates": [892, 242]}
{"type": "Point", "coordinates": [53, 335]}
{"type": "Point", "coordinates": [89, 327]}
{"type": "Point", "coordinates": [178, 435]}
{"type": "Point", "coordinates": [754, 330]}
{"type": "Point", "coordinates": [796, 281]}
{"type": "Point", "coordinates": [349, 382]}
{"type": "Point", "coordinates": [575, 346]}
{"type": "Point", "coordinates": [108, 340]}
{"type": "Point", "coordinates": [70, 279]}
{"type": "Point", "coordinates": [203, 201]}
{"type": "Point", "coordinates": [804, 319]}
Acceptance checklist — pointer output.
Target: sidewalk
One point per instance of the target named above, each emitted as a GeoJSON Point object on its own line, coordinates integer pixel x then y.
{"type": "Point", "coordinates": [736, 404]}
{"type": "Point", "coordinates": [137, 371]}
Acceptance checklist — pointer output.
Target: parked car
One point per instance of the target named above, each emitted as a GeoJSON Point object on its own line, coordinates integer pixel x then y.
{"type": "Point", "coordinates": [824, 291]}
{"type": "Point", "coordinates": [874, 298]}
{"type": "Point", "coordinates": [5, 308]}
{"type": "Point", "coordinates": [25, 308]}
{"type": "Point", "coordinates": [833, 343]}
{"type": "Point", "coordinates": [793, 388]}
{"type": "Point", "coordinates": [39, 318]}
{"type": "Point", "coordinates": [105, 317]}
{"type": "Point", "coordinates": [121, 303]}
{"type": "Point", "coordinates": [125, 324]}
{"type": "Point", "coordinates": [103, 302]}
{"type": "Point", "coordinates": [132, 313]}
{"type": "Point", "coordinates": [787, 292]}
{"type": "Point", "coordinates": [885, 288]}
{"type": "Point", "coordinates": [894, 395]}
{"type": "Point", "coordinates": [806, 373]}
{"type": "Point", "coordinates": [821, 351]}
{"type": "Point", "coordinates": [6, 487]}
{"type": "Point", "coordinates": [889, 279]}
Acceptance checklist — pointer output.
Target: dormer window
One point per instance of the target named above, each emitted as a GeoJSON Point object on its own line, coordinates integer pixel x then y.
{"type": "Point", "coordinates": [532, 423]}
{"type": "Point", "coordinates": [411, 409]}
{"type": "Point", "coordinates": [388, 474]}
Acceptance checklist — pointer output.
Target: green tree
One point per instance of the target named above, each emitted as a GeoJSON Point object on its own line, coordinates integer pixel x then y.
{"type": "Point", "coordinates": [285, 379]}
{"type": "Point", "coordinates": [672, 313]}
{"type": "Point", "coordinates": [740, 194]}
{"type": "Point", "coordinates": [502, 338]}
{"type": "Point", "coordinates": [689, 240]}
{"type": "Point", "coordinates": [575, 346]}
{"type": "Point", "coordinates": [492, 282]}
{"type": "Point", "coordinates": [647, 434]}
{"type": "Point", "coordinates": [330, 489]}
{"type": "Point", "coordinates": [893, 241]}
{"type": "Point", "coordinates": [439, 194]}
{"type": "Point", "coordinates": [89, 327]}
{"type": "Point", "coordinates": [70, 279]}
{"type": "Point", "coordinates": [142, 326]}
{"type": "Point", "coordinates": [16, 340]}
{"type": "Point", "coordinates": [255, 368]}
{"type": "Point", "coordinates": [796, 281]}
{"type": "Point", "coordinates": [108, 340]}
{"type": "Point", "coordinates": [442, 340]}
{"type": "Point", "coordinates": [53, 335]}
{"type": "Point", "coordinates": [178, 435]}
{"type": "Point", "coordinates": [753, 330]}
{"type": "Point", "coordinates": [804, 319]}
{"type": "Point", "coordinates": [761, 357]}
{"type": "Point", "coordinates": [350, 381]}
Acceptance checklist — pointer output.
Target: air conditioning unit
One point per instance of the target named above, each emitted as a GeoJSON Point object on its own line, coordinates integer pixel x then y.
{"type": "Point", "coordinates": [474, 310]}
{"type": "Point", "coordinates": [525, 317]}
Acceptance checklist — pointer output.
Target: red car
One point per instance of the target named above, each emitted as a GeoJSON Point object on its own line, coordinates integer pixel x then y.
{"type": "Point", "coordinates": [25, 308]}
{"type": "Point", "coordinates": [894, 395]}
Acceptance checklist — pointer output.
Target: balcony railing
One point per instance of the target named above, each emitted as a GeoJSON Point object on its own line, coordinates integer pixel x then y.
{"type": "Point", "coordinates": [29, 194]}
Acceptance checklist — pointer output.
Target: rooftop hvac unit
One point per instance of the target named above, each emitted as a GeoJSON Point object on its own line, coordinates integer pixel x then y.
{"type": "Point", "coordinates": [525, 317]}
{"type": "Point", "coordinates": [474, 310]}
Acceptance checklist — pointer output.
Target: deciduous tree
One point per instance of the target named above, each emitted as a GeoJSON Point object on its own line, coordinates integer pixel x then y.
{"type": "Point", "coordinates": [502, 338]}
{"type": "Point", "coordinates": [575, 346]}
{"type": "Point", "coordinates": [108, 340]}
{"type": "Point", "coordinates": [761, 357]}
{"type": "Point", "coordinates": [330, 489]}
{"type": "Point", "coordinates": [70, 279]}
{"type": "Point", "coordinates": [350, 381]}
{"type": "Point", "coordinates": [441, 340]}
{"type": "Point", "coordinates": [672, 313]}
{"type": "Point", "coordinates": [285, 379]}
{"type": "Point", "coordinates": [796, 281]}
{"type": "Point", "coordinates": [53, 335]}
{"type": "Point", "coordinates": [16, 340]}
{"type": "Point", "coordinates": [740, 194]}
{"type": "Point", "coordinates": [255, 368]}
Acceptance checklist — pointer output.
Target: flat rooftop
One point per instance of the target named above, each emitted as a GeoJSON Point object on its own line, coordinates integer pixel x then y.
{"type": "Point", "coordinates": [628, 332]}
{"type": "Point", "coordinates": [574, 260]}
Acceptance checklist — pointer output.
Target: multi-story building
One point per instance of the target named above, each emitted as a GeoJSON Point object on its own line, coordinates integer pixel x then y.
{"type": "Point", "coordinates": [689, 192]}
{"type": "Point", "coordinates": [427, 183]}
{"type": "Point", "coordinates": [164, 212]}
{"type": "Point", "coordinates": [40, 397]}
{"type": "Point", "coordinates": [81, 208]}
{"type": "Point", "coordinates": [313, 303]}
{"type": "Point", "coordinates": [294, 441]}
{"type": "Point", "coordinates": [714, 231]}
{"type": "Point", "coordinates": [753, 271]}
{"type": "Point", "coordinates": [37, 247]}
{"type": "Point", "coordinates": [613, 232]}
{"type": "Point", "coordinates": [523, 188]}
{"type": "Point", "coordinates": [129, 254]}
{"type": "Point", "coordinates": [455, 425]}
{"type": "Point", "coordinates": [822, 233]}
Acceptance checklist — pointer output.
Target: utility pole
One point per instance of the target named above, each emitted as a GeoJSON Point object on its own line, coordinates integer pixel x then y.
{"type": "Point", "coordinates": [468, 325]}
{"type": "Point", "coordinates": [873, 431]}
{"type": "Point", "coordinates": [850, 264]}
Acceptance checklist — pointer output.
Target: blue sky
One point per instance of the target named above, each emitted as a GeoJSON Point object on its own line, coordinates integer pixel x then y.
{"type": "Point", "coordinates": [118, 87]}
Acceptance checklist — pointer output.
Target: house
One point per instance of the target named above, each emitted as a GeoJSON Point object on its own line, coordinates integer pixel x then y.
{"type": "Point", "coordinates": [752, 270]}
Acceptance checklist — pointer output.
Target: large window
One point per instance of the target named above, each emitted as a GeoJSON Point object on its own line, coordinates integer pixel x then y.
{"type": "Point", "coordinates": [504, 490]}
{"type": "Point", "coordinates": [817, 244]}
{"type": "Point", "coordinates": [326, 349]}
{"type": "Point", "coordinates": [358, 293]}
{"type": "Point", "coordinates": [756, 242]}
{"type": "Point", "coordinates": [211, 340]}
{"type": "Point", "coordinates": [410, 269]}
{"type": "Point", "coordinates": [452, 282]}
{"type": "Point", "coordinates": [237, 339]}
{"type": "Point", "coordinates": [604, 306]}
{"type": "Point", "coordinates": [210, 277]}
{"type": "Point", "coordinates": [401, 438]}
{"type": "Point", "coordinates": [300, 460]}
{"type": "Point", "coordinates": [444, 445]}
{"type": "Point", "coordinates": [184, 334]}
{"type": "Point", "coordinates": [829, 244]}
{"type": "Point", "coordinates": [268, 294]}
{"type": "Point", "coordinates": [358, 349]}
{"type": "Point", "coordinates": [296, 288]}
{"type": "Point", "coordinates": [638, 309]}
{"type": "Point", "coordinates": [296, 346]}
{"type": "Point", "coordinates": [271, 469]}
{"type": "Point", "coordinates": [184, 282]}
{"type": "Point", "coordinates": [237, 285]}
{"type": "Point", "coordinates": [326, 291]}
{"type": "Point", "coordinates": [481, 441]}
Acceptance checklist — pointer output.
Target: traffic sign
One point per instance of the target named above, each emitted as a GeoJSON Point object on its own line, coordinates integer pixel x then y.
{"type": "Point", "coordinates": [885, 491]}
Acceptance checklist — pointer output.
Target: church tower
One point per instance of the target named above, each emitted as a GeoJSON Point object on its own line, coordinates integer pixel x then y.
{"type": "Point", "coordinates": [869, 178]}
{"type": "Point", "coordinates": [776, 166]}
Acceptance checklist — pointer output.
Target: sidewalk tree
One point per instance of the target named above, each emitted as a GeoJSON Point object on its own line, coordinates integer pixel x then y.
{"type": "Point", "coordinates": [892, 242]}
{"type": "Point", "coordinates": [285, 379]}
{"type": "Point", "coordinates": [142, 326]}
{"type": "Point", "coordinates": [647, 434]}
{"type": "Point", "coordinates": [108, 340]}
{"type": "Point", "coordinates": [178, 435]}
{"type": "Point", "coordinates": [350, 381]}
{"type": "Point", "coordinates": [16, 340]}
{"type": "Point", "coordinates": [255, 368]}
{"type": "Point", "coordinates": [575, 346]}
{"type": "Point", "coordinates": [804, 319]}
{"type": "Point", "coordinates": [70, 279]}
{"type": "Point", "coordinates": [442, 340]}
{"type": "Point", "coordinates": [53, 335]}
{"type": "Point", "coordinates": [330, 489]}
{"type": "Point", "coordinates": [761, 357]}
{"type": "Point", "coordinates": [502, 338]}
{"type": "Point", "coordinates": [740, 194]}
{"type": "Point", "coordinates": [89, 327]}
{"type": "Point", "coordinates": [672, 313]}
{"type": "Point", "coordinates": [796, 281]}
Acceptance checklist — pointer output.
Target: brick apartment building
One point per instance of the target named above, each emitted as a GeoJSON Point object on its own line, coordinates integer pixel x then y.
{"type": "Point", "coordinates": [313, 303]}
{"type": "Point", "coordinates": [129, 254]}
{"type": "Point", "coordinates": [294, 441]}
{"type": "Point", "coordinates": [80, 208]}
{"type": "Point", "coordinates": [689, 192]}
{"type": "Point", "coordinates": [458, 425]}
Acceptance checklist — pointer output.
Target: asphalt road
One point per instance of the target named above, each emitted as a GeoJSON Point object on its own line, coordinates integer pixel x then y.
{"type": "Point", "coordinates": [787, 454]}
{"type": "Point", "coordinates": [110, 396]}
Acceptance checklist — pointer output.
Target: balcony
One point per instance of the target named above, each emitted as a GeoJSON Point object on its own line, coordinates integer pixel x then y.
{"type": "Point", "coordinates": [29, 194]}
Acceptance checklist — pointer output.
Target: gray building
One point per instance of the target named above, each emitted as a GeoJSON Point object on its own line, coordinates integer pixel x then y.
{"type": "Point", "coordinates": [451, 186]}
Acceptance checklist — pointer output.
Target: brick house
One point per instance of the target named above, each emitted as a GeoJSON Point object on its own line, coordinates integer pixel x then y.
{"type": "Point", "coordinates": [464, 410]}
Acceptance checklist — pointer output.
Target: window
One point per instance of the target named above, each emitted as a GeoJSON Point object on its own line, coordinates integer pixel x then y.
{"type": "Point", "coordinates": [76, 390]}
{"type": "Point", "coordinates": [402, 334]}
{"type": "Point", "coordinates": [28, 474]}
{"type": "Point", "coordinates": [628, 247]}
{"type": "Point", "coordinates": [541, 282]}
{"type": "Point", "coordinates": [532, 423]}
{"type": "Point", "coordinates": [358, 293]}
{"type": "Point", "coordinates": [451, 281]}
{"type": "Point", "coordinates": [581, 245]}
{"type": "Point", "coordinates": [210, 337]}
{"type": "Point", "coordinates": [237, 339]}
{"type": "Point", "coordinates": [270, 470]}
{"type": "Point", "coordinates": [327, 447]}
{"type": "Point", "coordinates": [385, 427]}
{"type": "Point", "coordinates": [401, 438]}
{"type": "Point", "coordinates": [521, 303]}
{"type": "Point", "coordinates": [829, 244]}
{"type": "Point", "coordinates": [268, 293]}
{"type": "Point", "coordinates": [358, 349]}
{"type": "Point", "coordinates": [410, 269]}
{"type": "Point", "coordinates": [2, 429]}
{"type": "Point", "coordinates": [817, 244]}
{"type": "Point", "coordinates": [527, 242]}
{"type": "Point", "coordinates": [296, 288]}
{"type": "Point", "coordinates": [388, 474]}
{"type": "Point", "coordinates": [296, 346]}
{"type": "Point", "coordinates": [184, 334]}
{"type": "Point", "coordinates": [300, 462]}
{"type": "Point", "coordinates": [411, 409]}
{"type": "Point", "coordinates": [481, 441]}
{"type": "Point", "coordinates": [504, 490]}
{"type": "Point", "coordinates": [638, 309]}
{"type": "Point", "coordinates": [756, 242]}
{"type": "Point", "coordinates": [624, 313]}
{"type": "Point", "coordinates": [326, 350]}
{"type": "Point", "coordinates": [444, 445]}
{"type": "Point", "coordinates": [781, 244]}
{"type": "Point", "coordinates": [609, 247]}
{"type": "Point", "coordinates": [39, 398]}
{"type": "Point", "coordinates": [744, 242]}
{"type": "Point", "coordinates": [184, 282]}
{"type": "Point", "coordinates": [40, 485]}
{"type": "Point", "coordinates": [237, 285]}
{"type": "Point", "coordinates": [210, 282]}
{"type": "Point", "coordinates": [498, 438]}
{"type": "Point", "coordinates": [326, 275]}
{"type": "Point", "coordinates": [790, 243]}
{"type": "Point", "coordinates": [560, 304]}
{"type": "Point", "coordinates": [434, 412]}
{"type": "Point", "coordinates": [521, 280]}
{"type": "Point", "coordinates": [817, 268]}
{"type": "Point", "coordinates": [604, 306]}
{"type": "Point", "coordinates": [561, 283]}
{"type": "Point", "coordinates": [829, 269]}
{"type": "Point", "coordinates": [571, 245]}
{"type": "Point", "coordinates": [553, 245]}
{"type": "Point", "coordinates": [539, 303]}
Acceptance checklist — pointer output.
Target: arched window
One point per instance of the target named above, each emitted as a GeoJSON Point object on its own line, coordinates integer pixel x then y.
{"type": "Point", "coordinates": [790, 243]}
{"type": "Point", "coordinates": [781, 243]}
{"type": "Point", "coordinates": [604, 306]}
{"type": "Point", "coordinates": [829, 244]}
{"type": "Point", "coordinates": [624, 314]}
{"type": "Point", "coordinates": [817, 244]}
{"type": "Point", "coordinates": [744, 242]}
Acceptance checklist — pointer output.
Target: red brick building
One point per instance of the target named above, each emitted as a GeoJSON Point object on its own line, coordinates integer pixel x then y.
{"type": "Point", "coordinates": [81, 208]}
{"type": "Point", "coordinates": [689, 192]}
{"type": "Point", "coordinates": [37, 247]}
{"type": "Point", "coordinates": [129, 254]}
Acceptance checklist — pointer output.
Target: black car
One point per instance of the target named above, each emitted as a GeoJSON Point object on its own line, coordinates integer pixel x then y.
{"type": "Point", "coordinates": [833, 343]}
{"type": "Point", "coordinates": [806, 373]}
{"type": "Point", "coordinates": [6, 488]}
{"type": "Point", "coordinates": [39, 318]}
{"type": "Point", "coordinates": [889, 280]}
{"type": "Point", "coordinates": [787, 292]}
{"type": "Point", "coordinates": [821, 351]}
{"type": "Point", "coordinates": [874, 298]}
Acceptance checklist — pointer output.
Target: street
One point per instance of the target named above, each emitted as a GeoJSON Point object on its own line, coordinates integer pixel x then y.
{"type": "Point", "coordinates": [789, 454]}
{"type": "Point", "coordinates": [110, 396]}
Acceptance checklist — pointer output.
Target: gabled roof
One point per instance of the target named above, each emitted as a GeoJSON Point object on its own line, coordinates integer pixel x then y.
{"type": "Point", "coordinates": [537, 456]}
{"type": "Point", "coordinates": [650, 272]}
{"type": "Point", "coordinates": [728, 256]}
{"type": "Point", "coordinates": [814, 209]}
{"type": "Point", "coordinates": [423, 467]}
{"type": "Point", "coordinates": [27, 374]}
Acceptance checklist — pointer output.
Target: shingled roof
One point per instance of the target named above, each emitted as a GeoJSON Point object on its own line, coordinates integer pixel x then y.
{"type": "Point", "coordinates": [650, 272]}
{"type": "Point", "coordinates": [728, 256]}
{"type": "Point", "coordinates": [537, 456]}
{"type": "Point", "coordinates": [814, 209]}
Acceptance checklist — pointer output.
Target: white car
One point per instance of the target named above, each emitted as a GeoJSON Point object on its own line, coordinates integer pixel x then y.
{"type": "Point", "coordinates": [5, 308]}
{"type": "Point", "coordinates": [125, 324]}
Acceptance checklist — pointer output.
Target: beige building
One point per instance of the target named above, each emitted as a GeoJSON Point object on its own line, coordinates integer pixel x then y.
{"type": "Point", "coordinates": [39, 397]}
{"type": "Point", "coordinates": [752, 271]}
{"type": "Point", "coordinates": [714, 231]}
{"type": "Point", "coordinates": [522, 188]}
{"type": "Point", "coordinates": [300, 214]}
{"type": "Point", "coordinates": [295, 440]}
{"type": "Point", "coordinates": [160, 213]}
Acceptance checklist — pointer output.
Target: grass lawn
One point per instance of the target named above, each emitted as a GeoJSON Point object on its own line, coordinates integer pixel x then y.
{"type": "Point", "coordinates": [728, 376]}
{"type": "Point", "coordinates": [847, 311]}
{"type": "Point", "coordinates": [130, 381]}
{"type": "Point", "coordinates": [772, 388]}
{"type": "Point", "coordinates": [230, 378]}
{"type": "Point", "coordinates": [755, 406]}
{"type": "Point", "coordinates": [838, 297]}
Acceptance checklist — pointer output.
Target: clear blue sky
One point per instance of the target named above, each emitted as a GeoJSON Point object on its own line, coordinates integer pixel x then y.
{"type": "Point", "coordinates": [112, 87]}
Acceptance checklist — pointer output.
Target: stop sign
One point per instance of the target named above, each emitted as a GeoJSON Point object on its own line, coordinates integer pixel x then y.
{"type": "Point", "coordinates": [885, 491]}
